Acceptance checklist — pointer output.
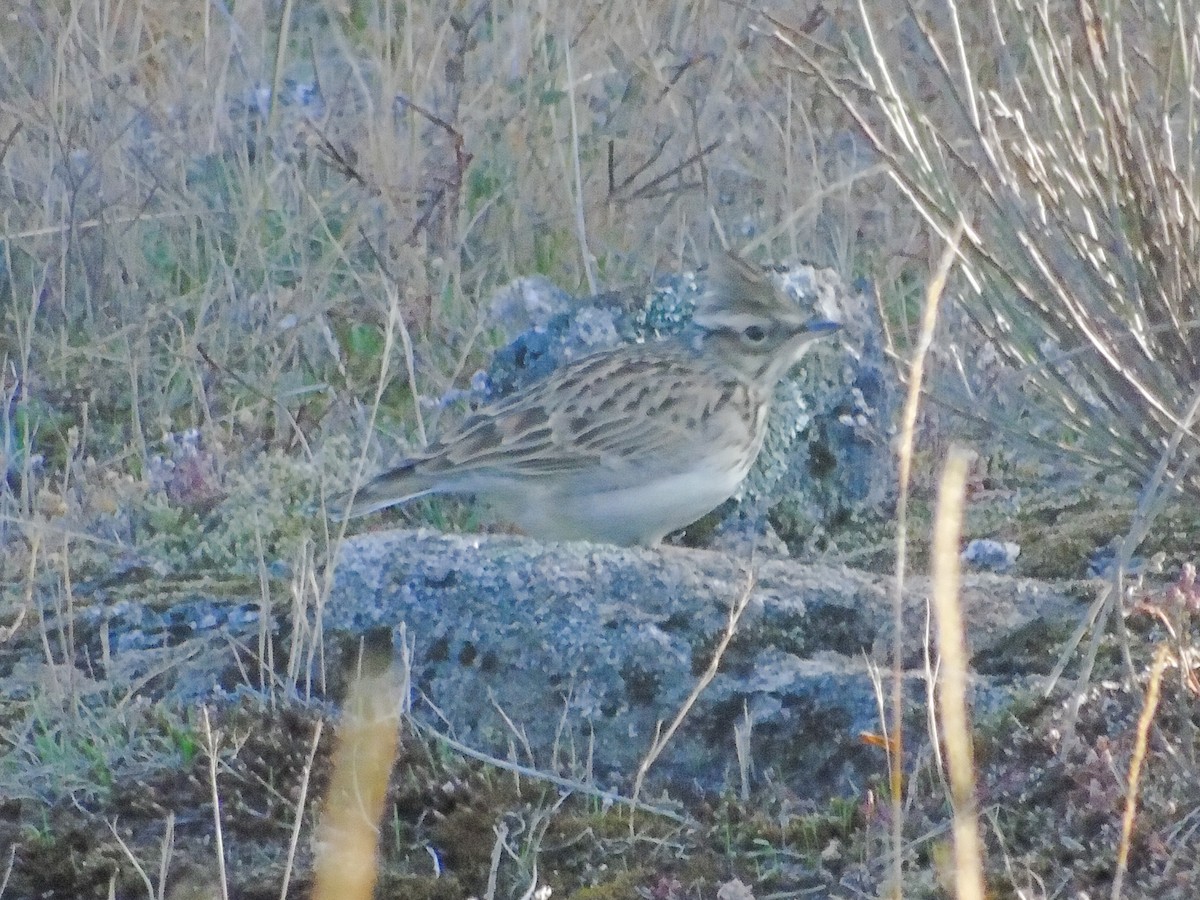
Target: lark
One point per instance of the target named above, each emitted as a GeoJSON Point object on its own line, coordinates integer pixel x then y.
{"type": "Point", "coordinates": [630, 444]}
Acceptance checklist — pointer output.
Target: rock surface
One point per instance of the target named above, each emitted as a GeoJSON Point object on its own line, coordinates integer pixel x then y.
{"type": "Point", "coordinates": [569, 656]}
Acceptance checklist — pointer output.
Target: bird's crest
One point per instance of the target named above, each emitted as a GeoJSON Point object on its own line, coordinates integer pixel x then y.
{"type": "Point", "coordinates": [738, 289]}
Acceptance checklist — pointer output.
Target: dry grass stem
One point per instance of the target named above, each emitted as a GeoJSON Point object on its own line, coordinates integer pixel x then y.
{"type": "Point", "coordinates": [8, 868]}
{"type": "Point", "coordinates": [368, 739]}
{"type": "Point", "coordinates": [1078, 183]}
{"type": "Point", "coordinates": [282, 42]}
{"type": "Point", "coordinates": [166, 851]}
{"type": "Point", "coordinates": [585, 253]}
{"type": "Point", "coordinates": [663, 738]}
{"type": "Point", "coordinates": [743, 732]}
{"type": "Point", "coordinates": [501, 831]}
{"type": "Point", "coordinates": [301, 805]}
{"type": "Point", "coordinates": [952, 676]}
{"type": "Point", "coordinates": [151, 893]}
{"type": "Point", "coordinates": [211, 743]}
{"type": "Point", "coordinates": [571, 785]}
{"type": "Point", "coordinates": [907, 438]}
{"type": "Point", "coordinates": [1136, 761]}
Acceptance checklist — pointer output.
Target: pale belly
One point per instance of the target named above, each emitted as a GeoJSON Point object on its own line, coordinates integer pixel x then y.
{"type": "Point", "coordinates": [625, 503]}
{"type": "Point", "coordinates": [635, 514]}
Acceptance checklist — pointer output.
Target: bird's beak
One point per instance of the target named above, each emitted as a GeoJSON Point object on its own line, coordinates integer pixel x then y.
{"type": "Point", "coordinates": [818, 325]}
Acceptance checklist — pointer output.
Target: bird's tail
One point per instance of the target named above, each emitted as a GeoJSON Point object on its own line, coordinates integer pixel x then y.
{"type": "Point", "coordinates": [398, 485]}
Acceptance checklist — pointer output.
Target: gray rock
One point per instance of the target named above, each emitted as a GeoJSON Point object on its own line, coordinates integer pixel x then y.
{"type": "Point", "coordinates": [571, 655]}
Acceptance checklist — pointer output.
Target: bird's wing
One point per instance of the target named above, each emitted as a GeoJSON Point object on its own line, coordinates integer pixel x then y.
{"type": "Point", "coordinates": [625, 408]}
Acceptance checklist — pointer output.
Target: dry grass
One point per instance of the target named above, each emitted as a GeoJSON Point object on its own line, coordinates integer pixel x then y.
{"type": "Point", "coordinates": [205, 227]}
{"type": "Point", "coordinates": [1064, 136]}
{"type": "Point", "coordinates": [185, 248]}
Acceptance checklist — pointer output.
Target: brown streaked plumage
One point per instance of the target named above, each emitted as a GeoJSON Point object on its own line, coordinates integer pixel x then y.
{"type": "Point", "coordinates": [626, 445]}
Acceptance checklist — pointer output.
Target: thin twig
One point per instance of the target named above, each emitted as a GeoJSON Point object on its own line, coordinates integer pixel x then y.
{"type": "Point", "coordinates": [262, 395]}
{"type": "Point", "coordinates": [165, 853]}
{"type": "Point", "coordinates": [1135, 766]}
{"type": "Point", "coordinates": [661, 740]}
{"type": "Point", "coordinates": [589, 265]}
{"type": "Point", "coordinates": [567, 784]}
{"type": "Point", "coordinates": [210, 748]}
{"type": "Point", "coordinates": [305, 776]}
{"type": "Point", "coordinates": [646, 190]}
{"type": "Point", "coordinates": [895, 740]}
{"type": "Point", "coordinates": [133, 860]}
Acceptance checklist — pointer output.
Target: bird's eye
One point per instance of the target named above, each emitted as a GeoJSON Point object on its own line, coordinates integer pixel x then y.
{"type": "Point", "coordinates": [755, 334]}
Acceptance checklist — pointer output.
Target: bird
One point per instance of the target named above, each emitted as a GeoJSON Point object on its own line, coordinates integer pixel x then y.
{"type": "Point", "coordinates": [627, 445]}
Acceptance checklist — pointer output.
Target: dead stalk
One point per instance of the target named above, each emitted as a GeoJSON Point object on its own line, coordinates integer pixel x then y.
{"type": "Point", "coordinates": [664, 737]}
{"type": "Point", "coordinates": [1145, 720]}
{"type": "Point", "coordinates": [912, 404]}
{"type": "Point", "coordinates": [952, 681]}
{"type": "Point", "coordinates": [368, 741]}
{"type": "Point", "coordinates": [211, 745]}
{"type": "Point", "coordinates": [133, 861]}
{"type": "Point", "coordinates": [301, 801]}
{"type": "Point", "coordinates": [572, 785]}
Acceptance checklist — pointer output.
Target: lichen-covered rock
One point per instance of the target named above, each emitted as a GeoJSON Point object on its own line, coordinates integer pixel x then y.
{"type": "Point", "coordinates": [572, 655]}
